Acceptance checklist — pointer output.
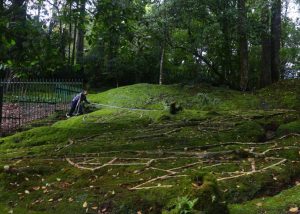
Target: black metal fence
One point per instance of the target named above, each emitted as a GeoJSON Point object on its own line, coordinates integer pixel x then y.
{"type": "Point", "coordinates": [22, 102]}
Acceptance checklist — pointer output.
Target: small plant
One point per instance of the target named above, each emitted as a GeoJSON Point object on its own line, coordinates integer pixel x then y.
{"type": "Point", "coordinates": [183, 205]}
{"type": "Point", "coordinates": [205, 99]}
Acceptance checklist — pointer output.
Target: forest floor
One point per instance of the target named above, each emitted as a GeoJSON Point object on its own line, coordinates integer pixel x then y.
{"type": "Point", "coordinates": [234, 152]}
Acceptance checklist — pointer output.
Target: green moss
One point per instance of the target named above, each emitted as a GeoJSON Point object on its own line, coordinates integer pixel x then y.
{"type": "Point", "coordinates": [293, 127]}
{"type": "Point", "coordinates": [283, 94]}
{"type": "Point", "coordinates": [250, 130]}
{"type": "Point", "coordinates": [219, 115]}
{"type": "Point", "coordinates": [278, 204]}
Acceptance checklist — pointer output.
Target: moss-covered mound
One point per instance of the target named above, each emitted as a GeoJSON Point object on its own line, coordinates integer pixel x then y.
{"type": "Point", "coordinates": [293, 127]}
{"type": "Point", "coordinates": [235, 146]}
{"type": "Point", "coordinates": [285, 202]}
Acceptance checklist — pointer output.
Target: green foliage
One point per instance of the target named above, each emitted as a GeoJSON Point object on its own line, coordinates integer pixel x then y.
{"type": "Point", "coordinates": [207, 192]}
{"type": "Point", "coordinates": [123, 41]}
{"type": "Point", "coordinates": [183, 205]}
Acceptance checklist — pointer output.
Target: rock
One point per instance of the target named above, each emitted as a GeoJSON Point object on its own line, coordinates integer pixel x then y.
{"type": "Point", "coordinates": [270, 135]}
{"type": "Point", "coordinates": [294, 210]}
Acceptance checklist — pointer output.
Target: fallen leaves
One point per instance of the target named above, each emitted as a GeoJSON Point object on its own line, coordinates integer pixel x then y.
{"type": "Point", "coordinates": [85, 204]}
{"type": "Point", "coordinates": [37, 201]}
{"type": "Point", "coordinates": [36, 188]}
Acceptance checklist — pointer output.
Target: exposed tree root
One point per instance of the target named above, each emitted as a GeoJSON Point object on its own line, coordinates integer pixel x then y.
{"type": "Point", "coordinates": [252, 172]}
{"type": "Point", "coordinates": [209, 146]}
{"type": "Point", "coordinates": [71, 142]}
{"type": "Point", "coordinates": [140, 186]}
{"type": "Point", "coordinates": [88, 138]}
{"type": "Point", "coordinates": [110, 163]}
{"type": "Point", "coordinates": [202, 123]}
{"type": "Point", "coordinates": [280, 148]}
{"type": "Point", "coordinates": [152, 187]}
{"type": "Point", "coordinates": [77, 165]}
{"type": "Point", "coordinates": [186, 166]}
{"type": "Point", "coordinates": [289, 135]}
{"type": "Point", "coordinates": [156, 135]}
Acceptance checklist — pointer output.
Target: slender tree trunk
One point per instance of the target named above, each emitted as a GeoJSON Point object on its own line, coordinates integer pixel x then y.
{"type": "Point", "coordinates": [74, 41]}
{"type": "Point", "coordinates": [111, 57]}
{"type": "Point", "coordinates": [161, 71]}
{"type": "Point", "coordinates": [39, 12]}
{"type": "Point", "coordinates": [266, 78]}
{"type": "Point", "coordinates": [81, 34]}
{"type": "Point", "coordinates": [70, 32]}
{"type": "Point", "coordinates": [62, 46]}
{"type": "Point", "coordinates": [1, 6]}
{"type": "Point", "coordinates": [165, 35]}
{"type": "Point", "coordinates": [19, 9]}
{"type": "Point", "coordinates": [243, 44]}
{"type": "Point", "coordinates": [275, 39]}
{"type": "Point", "coordinates": [2, 10]}
{"type": "Point", "coordinates": [226, 54]}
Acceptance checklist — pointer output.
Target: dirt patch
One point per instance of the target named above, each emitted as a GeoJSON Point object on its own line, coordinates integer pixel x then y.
{"type": "Point", "coordinates": [18, 115]}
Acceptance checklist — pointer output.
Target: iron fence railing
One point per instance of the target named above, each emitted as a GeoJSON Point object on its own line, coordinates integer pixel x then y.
{"type": "Point", "coordinates": [22, 102]}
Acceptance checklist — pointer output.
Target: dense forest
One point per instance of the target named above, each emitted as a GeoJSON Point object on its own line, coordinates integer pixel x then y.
{"type": "Point", "coordinates": [239, 43]}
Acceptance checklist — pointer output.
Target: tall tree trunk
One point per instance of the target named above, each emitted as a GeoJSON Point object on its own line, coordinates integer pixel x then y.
{"type": "Point", "coordinates": [226, 55]}
{"type": "Point", "coordinates": [1, 6]}
{"type": "Point", "coordinates": [111, 56]}
{"type": "Point", "coordinates": [39, 12]}
{"type": "Point", "coordinates": [243, 44]}
{"type": "Point", "coordinates": [70, 32]}
{"type": "Point", "coordinates": [74, 41]}
{"type": "Point", "coordinates": [275, 39]}
{"type": "Point", "coordinates": [19, 10]}
{"type": "Point", "coordinates": [81, 33]}
{"type": "Point", "coordinates": [161, 71]}
{"type": "Point", "coordinates": [19, 17]}
{"type": "Point", "coordinates": [63, 42]}
{"type": "Point", "coordinates": [266, 78]}
{"type": "Point", "coordinates": [163, 46]}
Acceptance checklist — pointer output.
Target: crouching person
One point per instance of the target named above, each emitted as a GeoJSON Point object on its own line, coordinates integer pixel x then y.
{"type": "Point", "coordinates": [77, 104]}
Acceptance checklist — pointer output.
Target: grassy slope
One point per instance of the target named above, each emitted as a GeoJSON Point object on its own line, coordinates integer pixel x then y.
{"type": "Point", "coordinates": [277, 204]}
{"type": "Point", "coordinates": [115, 130]}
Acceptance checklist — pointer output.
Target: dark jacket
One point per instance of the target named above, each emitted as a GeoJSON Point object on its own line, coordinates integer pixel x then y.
{"type": "Point", "coordinates": [80, 97]}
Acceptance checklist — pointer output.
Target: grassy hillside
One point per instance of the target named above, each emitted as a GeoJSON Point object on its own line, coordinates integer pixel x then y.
{"type": "Point", "coordinates": [225, 147]}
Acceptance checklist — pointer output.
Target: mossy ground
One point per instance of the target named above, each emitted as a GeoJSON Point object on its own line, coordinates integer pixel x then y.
{"type": "Point", "coordinates": [144, 145]}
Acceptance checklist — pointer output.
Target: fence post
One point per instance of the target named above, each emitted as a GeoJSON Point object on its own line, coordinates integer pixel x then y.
{"type": "Point", "coordinates": [1, 104]}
